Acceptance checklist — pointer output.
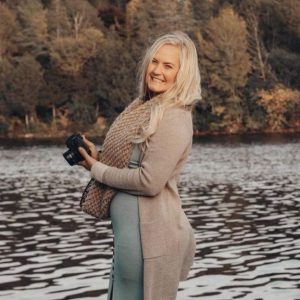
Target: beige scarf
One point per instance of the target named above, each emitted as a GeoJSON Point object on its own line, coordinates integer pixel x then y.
{"type": "Point", "coordinates": [116, 152]}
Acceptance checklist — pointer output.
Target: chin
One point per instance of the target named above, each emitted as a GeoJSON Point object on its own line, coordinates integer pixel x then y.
{"type": "Point", "coordinates": [156, 90]}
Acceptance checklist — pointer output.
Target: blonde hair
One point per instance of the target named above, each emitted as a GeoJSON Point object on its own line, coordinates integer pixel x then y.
{"type": "Point", "coordinates": [186, 90]}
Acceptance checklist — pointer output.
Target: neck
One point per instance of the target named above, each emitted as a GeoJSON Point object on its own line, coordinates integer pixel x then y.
{"type": "Point", "coordinates": [149, 95]}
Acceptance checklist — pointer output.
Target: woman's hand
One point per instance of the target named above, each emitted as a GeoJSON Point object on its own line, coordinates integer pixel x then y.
{"type": "Point", "coordinates": [92, 147]}
{"type": "Point", "coordinates": [89, 160]}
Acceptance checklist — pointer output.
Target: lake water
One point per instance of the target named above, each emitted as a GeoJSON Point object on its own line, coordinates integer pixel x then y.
{"type": "Point", "coordinates": [242, 196]}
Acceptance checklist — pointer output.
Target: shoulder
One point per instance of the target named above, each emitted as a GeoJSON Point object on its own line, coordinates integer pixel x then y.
{"type": "Point", "coordinates": [178, 117]}
{"type": "Point", "coordinates": [176, 123]}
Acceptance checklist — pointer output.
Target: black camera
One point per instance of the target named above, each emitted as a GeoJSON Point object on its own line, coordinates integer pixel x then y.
{"type": "Point", "coordinates": [72, 155]}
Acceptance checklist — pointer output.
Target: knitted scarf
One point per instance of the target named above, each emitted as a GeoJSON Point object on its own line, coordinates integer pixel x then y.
{"type": "Point", "coordinates": [116, 152]}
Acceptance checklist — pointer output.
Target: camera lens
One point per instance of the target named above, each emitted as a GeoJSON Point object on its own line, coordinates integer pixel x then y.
{"type": "Point", "coordinates": [70, 157]}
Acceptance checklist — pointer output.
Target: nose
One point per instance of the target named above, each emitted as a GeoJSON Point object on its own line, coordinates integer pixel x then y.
{"type": "Point", "coordinates": [156, 69]}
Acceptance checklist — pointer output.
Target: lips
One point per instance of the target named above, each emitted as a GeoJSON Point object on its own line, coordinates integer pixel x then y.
{"type": "Point", "coordinates": [154, 79]}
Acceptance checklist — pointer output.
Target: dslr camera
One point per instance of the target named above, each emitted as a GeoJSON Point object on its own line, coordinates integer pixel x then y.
{"type": "Point", "coordinates": [72, 155]}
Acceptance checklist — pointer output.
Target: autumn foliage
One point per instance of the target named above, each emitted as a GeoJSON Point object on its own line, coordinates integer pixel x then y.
{"type": "Point", "coordinates": [68, 65]}
{"type": "Point", "coordinates": [282, 107]}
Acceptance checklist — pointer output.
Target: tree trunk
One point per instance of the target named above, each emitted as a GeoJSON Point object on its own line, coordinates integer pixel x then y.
{"type": "Point", "coordinates": [32, 117]}
{"type": "Point", "coordinates": [53, 114]}
{"type": "Point", "coordinates": [97, 110]}
{"type": "Point", "coordinates": [27, 122]}
{"type": "Point", "coordinates": [258, 49]}
{"type": "Point", "coordinates": [78, 23]}
{"type": "Point", "coordinates": [255, 45]}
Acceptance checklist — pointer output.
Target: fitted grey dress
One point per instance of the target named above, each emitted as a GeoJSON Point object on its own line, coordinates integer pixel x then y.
{"type": "Point", "coordinates": [126, 276]}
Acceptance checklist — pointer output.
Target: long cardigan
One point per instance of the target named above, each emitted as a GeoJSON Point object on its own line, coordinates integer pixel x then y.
{"type": "Point", "coordinates": [167, 238]}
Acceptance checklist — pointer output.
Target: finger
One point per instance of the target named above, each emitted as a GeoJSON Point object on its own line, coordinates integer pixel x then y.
{"type": "Point", "coordinates": [83, 152]}
{"type": "Point", "coordinates": [89, 143]}
{"type": "Point", "coordinates": [83, 164]}
{"type": "Point", "coordinates": [85, 139]}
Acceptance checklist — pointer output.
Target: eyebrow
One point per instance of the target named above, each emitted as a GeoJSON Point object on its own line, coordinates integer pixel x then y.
{"type": "Point", "coordinates": [166, 62]}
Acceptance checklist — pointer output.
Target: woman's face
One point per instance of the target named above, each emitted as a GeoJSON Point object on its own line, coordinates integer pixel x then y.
{"type": "Point", "coordinates": [162, 70]}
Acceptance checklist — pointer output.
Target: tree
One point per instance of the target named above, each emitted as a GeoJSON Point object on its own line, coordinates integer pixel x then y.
{"type": "Point", "coordinates": [259, 64]}
{"type": "Point", "coordinates": [225, 64]}
{"type": "Point", "coordinates": [113, 16]}
{"type": "Point", "coordinates": [5, 73]}
{"type": "Point", "coordinates": [8, 29]}
{"type": "Point", "coordinates": [34, 34]}
{"type": "Point", "coordinates": [289, 11]}
{"type": "Point", "coordinates": [82, 16]}
{"type": "Point", "coordinates": [69, 54]}
{"type": "Point", "coordinates": [59, 24]}
{"type": "Point", "coordinates": [146, 20]}
{"type": "Point", "coordinates": [203, 10]}
{"type": "Point", "coordinates": [280, 22]}
{"type": "Point", "coordinates": [25, 82]}
{"type": "Point", "coordinates": [280, 104]}
{"type": "Point", "coordinates": [112, 74]}
{"type": "Point", "coordinates": [286, 66]}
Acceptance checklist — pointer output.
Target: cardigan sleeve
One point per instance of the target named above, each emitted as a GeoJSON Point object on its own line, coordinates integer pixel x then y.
{"type": "Point", "coordinates": [165, 149]}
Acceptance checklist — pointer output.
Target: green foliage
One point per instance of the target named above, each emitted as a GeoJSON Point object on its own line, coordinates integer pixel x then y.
{"type": "Point", "coordinates": [286, 66]}
{"type": "Point", "coordinates": [8, 28]}
{"type": "Point", "coordinates": [22, 87]}
{"type": "Point", "coordinates": [113, 75]}
{"type": "Point", "coordinates": [80, 110]}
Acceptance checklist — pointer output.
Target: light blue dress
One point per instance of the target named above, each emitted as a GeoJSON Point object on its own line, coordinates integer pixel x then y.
{"type": "Point", "coordinates": [126, 276]}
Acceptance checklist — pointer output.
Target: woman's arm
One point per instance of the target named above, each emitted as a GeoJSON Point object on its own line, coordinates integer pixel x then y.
{"type": "Point", "coordinates": [166, 147]}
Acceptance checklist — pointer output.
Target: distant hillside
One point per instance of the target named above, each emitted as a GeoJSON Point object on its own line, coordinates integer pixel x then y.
{"type": "Point", "coordinates": [69, 65]}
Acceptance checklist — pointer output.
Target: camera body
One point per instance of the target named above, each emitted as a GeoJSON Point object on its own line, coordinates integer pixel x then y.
{"type": "Point", "coordinates": [72, 155]}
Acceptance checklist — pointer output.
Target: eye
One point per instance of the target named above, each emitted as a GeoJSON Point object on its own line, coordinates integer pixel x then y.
{"type": "Point", "coordinates": [169, 67]}
{"type": "Point", "coordinates": [154, 61]}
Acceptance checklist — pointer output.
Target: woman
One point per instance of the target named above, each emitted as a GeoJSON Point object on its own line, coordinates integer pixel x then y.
{"type": "Point", "coordinates": [154, 242]}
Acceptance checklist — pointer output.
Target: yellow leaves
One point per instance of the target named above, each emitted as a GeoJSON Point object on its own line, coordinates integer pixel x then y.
{"type": "Point", "coordinates": [40, 26]}
{"type": "Point", "coordinates": [228, 29]}
{"type": "Point", "coordinates": [219, 110]}
{"type": "Point", "coordinates": [70, 53]}
{"type": "Point", "coordinates": [34, 16]}
{"type": "Point", "coordinates": [75, 39]}
{"type": "Point", "coordinates": [277, 102]}
{"type": "Point", "coordinates": [223, 47]}
{"type": "Point", "coordinates": [93, 38]}
{"type": "Point", "coordinates": [7, 20]}
{"type": "Point", "coordinates": [8, 28]}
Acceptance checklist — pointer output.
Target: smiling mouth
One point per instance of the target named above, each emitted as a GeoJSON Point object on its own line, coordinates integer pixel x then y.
{"type": "Point", "coordinates": [156, 79]}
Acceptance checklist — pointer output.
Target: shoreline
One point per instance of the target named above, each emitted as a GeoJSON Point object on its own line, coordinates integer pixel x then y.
{"type": "Point", "coordinates": [197, 134]}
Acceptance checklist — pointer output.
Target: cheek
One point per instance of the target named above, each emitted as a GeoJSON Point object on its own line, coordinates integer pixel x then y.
{"type": "Point", "coordinates": [149, 70]}
{"type": "Point", "coordinates": [172, 77]}
{"type": "Point", "coordinates": [148, 73]}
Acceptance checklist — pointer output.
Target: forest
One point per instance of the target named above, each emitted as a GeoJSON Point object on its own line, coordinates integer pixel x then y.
{"type": "Point", "coordinates": [71, 65]}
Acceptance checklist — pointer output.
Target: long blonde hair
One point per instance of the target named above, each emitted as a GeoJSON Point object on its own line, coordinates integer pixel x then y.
{"type": "Point", "coordinates": [186, 90]}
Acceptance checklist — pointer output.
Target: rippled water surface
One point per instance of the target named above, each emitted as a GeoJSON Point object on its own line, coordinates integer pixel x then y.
{"type": "Point", "coordinates": [242, 198]}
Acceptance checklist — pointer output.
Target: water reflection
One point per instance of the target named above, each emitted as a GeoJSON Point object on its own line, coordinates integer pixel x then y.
{"type": "Point", "coordinates": [243, 200]}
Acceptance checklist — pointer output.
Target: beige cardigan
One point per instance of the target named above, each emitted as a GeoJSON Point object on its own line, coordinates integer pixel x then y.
{"type": "Point", "coordinates": [168, 242]}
